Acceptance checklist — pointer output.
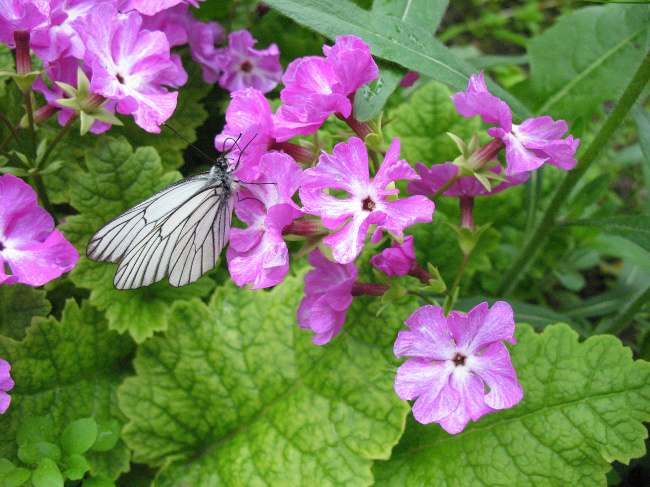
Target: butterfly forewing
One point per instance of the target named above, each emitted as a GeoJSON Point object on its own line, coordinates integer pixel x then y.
{"type": "Point", "coordinates": [178, 232]}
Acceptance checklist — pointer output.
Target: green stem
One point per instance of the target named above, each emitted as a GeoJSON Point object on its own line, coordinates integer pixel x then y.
{"type": "Point", "coordinates": [30, 118]}
{"type": "Point", "coordinates": [620, 322]}
{"type": "Point", "coordinates": [423, 297]}
{"type": "Point", "coordinates": [56, 139]}
{"type": "Point", "coordinates": [445, 186]}
{"type": "Point", "coordinates": [461, 271]}
{"type": "Point", "coordinates": [538, 236]}
{"type": "Point", "coordinates": [14, 133]}
{"type": "Point", "coordinates": [42, 194]}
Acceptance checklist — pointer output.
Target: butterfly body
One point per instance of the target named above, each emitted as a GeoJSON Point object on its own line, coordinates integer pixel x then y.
{"type": "Point", "coordinates": [178, 232]}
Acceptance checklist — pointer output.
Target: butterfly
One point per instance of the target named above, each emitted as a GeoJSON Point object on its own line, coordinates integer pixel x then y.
{"type": "Point", "coordinates": [178, 232]}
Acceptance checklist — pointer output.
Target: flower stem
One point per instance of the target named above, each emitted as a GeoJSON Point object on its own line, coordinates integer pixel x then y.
{"type": "Point", "coordinates": [445, 186]}
{"type": "Point", "coordinates": [56, 139]}
{"type": "Point", "coordinates": [42, 194]}
{"type": "Point", "coordinates": [539, 234]}
{"type": "Point", "coordinates": [14, 133]}
{"type": "Point", "coordinates": [368, 289]}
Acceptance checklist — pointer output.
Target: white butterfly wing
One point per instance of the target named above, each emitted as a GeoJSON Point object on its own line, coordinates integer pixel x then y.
{"type": "Point", "coordinates": [111, 242]}
{"type": "Point", "coordinates": [185, 245]}
{"type": "Point", "coordinates": [180, 231]}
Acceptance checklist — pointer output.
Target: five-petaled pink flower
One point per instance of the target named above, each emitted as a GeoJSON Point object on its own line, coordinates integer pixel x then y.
{"type": "Point", "coordinates": [529, 145]}
{"type": "Point", "coordinates": [130, 65]}
{"type": "Point", "coordinates": [245, 67]}
{"type": "Point", "coordinates": [454, 359]}
{"type": "Point", "coordinates": [367, 204]}
{"type": "Point", "coordinates": [35, 252]}
{"type": "Point", "coordinates": [258, 255]}
{"type": "Point", "coordinates": [396, 260]}
{"type": "Point", "coordinates": [6, 384]}
{"type": "Point", "coordinates": [328, 289]}
{"type": "Point", "coordinates": [316, 87]}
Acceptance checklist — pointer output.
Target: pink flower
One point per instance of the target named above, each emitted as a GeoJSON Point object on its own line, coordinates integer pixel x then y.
{"type": "Point", "coordinates": [316, 87]}
{"type": "Point", "coordinates": [347, 169]}
{"type": "Point", "coordinates": [328, 290]}
{"type": "Point", "coordinates": [398, 260]}
{"type": "Point", "coordinates": [26, 16]}
{"type": "Point", "coordinates": [173, 22]}
{"type": "Point", "coordinates": [245, 67]}
{"type": "Point", "coordinates": [151, 7]}
{"type": "Point", "coordinates": [130, 65]}
{"type": "Point", "coordinates": [62, 40]}
{"type": "Point", "coordinates": [249, 121]}
{"type": "Point", "coordinates": [432, 179]}
{"type": "Point", "coordinates": [258, 255]}
{"type": "Point", "coordinates": [34, 250]}
{"type": "Point", "coordinates": [454, 359]}
{"type": "Point", "coordinates": [202, 39]}
{"type": "Point", "coordinates": [6, 384]}
{"type": "Point", "coordinates": [529, 145]}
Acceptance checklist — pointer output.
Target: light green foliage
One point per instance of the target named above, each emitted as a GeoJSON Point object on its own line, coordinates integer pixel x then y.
{"type": "Point", "coordinates": [237, 394]}
{"type": "Point", "coordinates": [66, 370]}
{"type": "Point", "coordinates": [117, 179]}
{"type": "Point", "coordinates": [583, 407]}
{"type": "Point", "coordinates": [422, 123]}
{"type": "Point", "coordinates": [587, 57]}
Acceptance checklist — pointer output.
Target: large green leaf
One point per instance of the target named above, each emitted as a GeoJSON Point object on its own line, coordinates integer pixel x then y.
{"type": "Point", "coordinates": [587, 57]}
{"type": "Point", "coordinates": [583, 407]}
{"type": "Point", "coordinates": [66, 370]}
{"type": "Point", "coordinates": [18, 304]}
{"type": "Point", "coordinates": [392, 39]}
{"type": "Point", "coordinates": [117, 179]}
{"type": "Point", "coordinates": [236, 394]}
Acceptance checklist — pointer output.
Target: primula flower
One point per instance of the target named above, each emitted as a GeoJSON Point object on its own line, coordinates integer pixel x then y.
{"type": "Point", "coordinates": [397, 260]}
{"type": "Point", "coordinates": [6, 384]}
{"type": "Point", "coordinates": [347, 169]}
{"type": "Point", "coordinates": [26, 16]}
{"type": "Point", "coordinates": [454, 358]}
{"type": "Point", "coordinates": [316, 87]}
{"type": "Point", "coordinates": [35, 252]}
{"type": "Point", "coordinates": [202, 39]}
{"type": "Point", "coordinates": [432, 179]}
{"type": "Point", "coordinates": [152, 7]}
{"type": "Point", "coordinates": [529, 145]}
{"type": "Point", "coordinates": [130, 65]}
{"type": "Point", "coordinates": [328, 289]}
{"type": "Point", "coordinates": [245, 67]}
{"type": "Point", "coordinates": [259, 254]}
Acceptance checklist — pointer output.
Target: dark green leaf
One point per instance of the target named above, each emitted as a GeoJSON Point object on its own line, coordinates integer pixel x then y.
{"type": "Point", "coordinates": [635, 228]}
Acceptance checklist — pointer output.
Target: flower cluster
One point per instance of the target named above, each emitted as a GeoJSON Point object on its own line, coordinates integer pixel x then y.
{"type": "Point", "coordinates": [123, 47]}
{"type": "Point", "coordinates": [347, 202]}
{"type": "Point", "coordinates": [6, 384]}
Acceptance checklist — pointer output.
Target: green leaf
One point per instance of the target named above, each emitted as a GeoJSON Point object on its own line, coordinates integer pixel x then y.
{"type": "Point", "coordinates": [583, 407]}
{"type": "Point", "coordinates": [635, 228]}
{"type": "Point", "coordinates": [371, 98]}
{"type": "Point", "coordinates": [99, 481]}
{"type": "Point", "coordinates": [77, 466]}
{"type": "Point", "coordinates": [587, 57]}
{"type": "Point", "coordinates": [18, 304]}
{"type": "Point", "coordinates": [392, 39]}
{"type": "Point", "coordinates": [425, 14]}
{"type": "Point", "coordinates": [422, 124]}
{"type": "Point", "coordinates": [16, 477]}
{"type": "Point", "coordinates": [108, 433]}
{"type": "Point", "coordinates": [47, 474]}
{"type": "Point", "coordinates": [33, 452]}
{"type": "Point", "coordinates": [79, 436]}
{"type": "Point", "coordinates": [74, 361]}
{"type": "Point", "coordinates": [117, 179]}
{"type": "Point", "coordinates": [235, 390]}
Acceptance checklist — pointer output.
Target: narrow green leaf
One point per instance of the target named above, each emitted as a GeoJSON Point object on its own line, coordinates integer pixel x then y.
{"type": "Point", "coordinates": [584, 405]}
{"type": "Point", "coordinates": [391, 39]}
{"type": "Point", "coordinates": [642, 118]}
{"type": "Point", "coordinates": [635, 228]}
{"type": "Point", "coordinates": [371, 98]}
{"type": "Point", "coordinates": [425, 14]}
{"type": "Point", "coordinates": [587, 57]}
{"type": "Point", "coordinates": [235, 390]}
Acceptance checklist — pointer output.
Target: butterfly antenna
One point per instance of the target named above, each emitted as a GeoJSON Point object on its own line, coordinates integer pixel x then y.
{"type": "Point", "coordinates": [189, 143]}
